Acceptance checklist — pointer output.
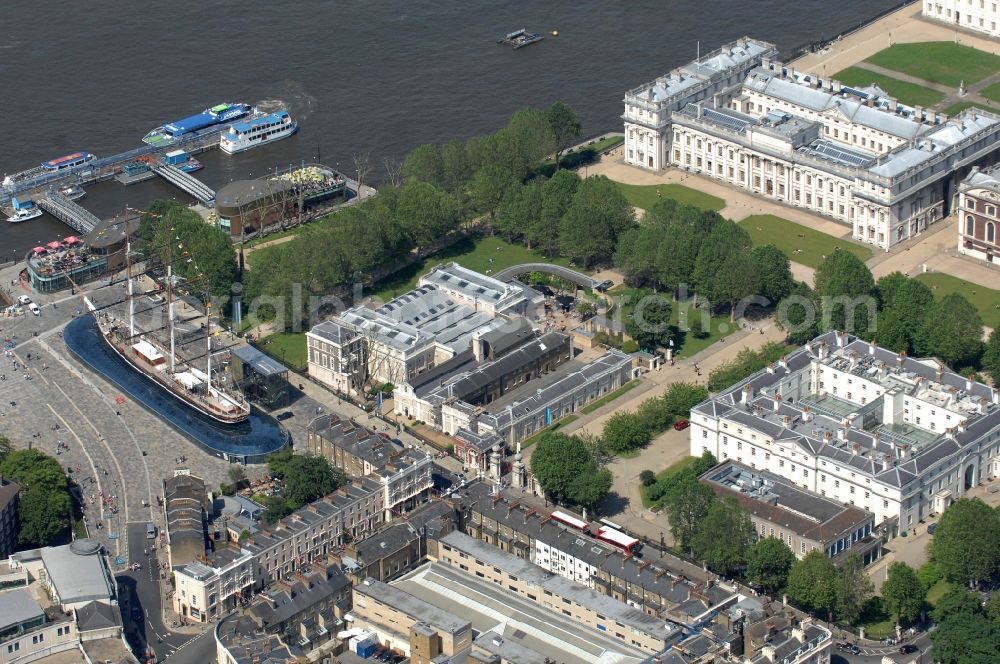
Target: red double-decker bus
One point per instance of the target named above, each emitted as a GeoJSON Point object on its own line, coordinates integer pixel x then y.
{"type": "Point", "coordinates": [571, 521]}
{"type": "Point", "coordinates": [616, 538]}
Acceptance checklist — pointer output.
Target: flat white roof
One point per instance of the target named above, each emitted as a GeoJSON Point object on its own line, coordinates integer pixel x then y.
{"type": "Point", "coordinates": [147, 349]}
{"type": "Point", "coordinates": [612, 535]}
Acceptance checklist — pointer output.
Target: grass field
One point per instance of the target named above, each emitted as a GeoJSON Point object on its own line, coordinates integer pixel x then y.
{"type": "Point", "coordinates": [289, 348]}
{"type": "Point", "coordinates": [484, 254]}
{"type": "Point", "coordinates": [681, 315]}
{"type": "Point", "coordinates": [644, 196]}
{"type": "Point", "coordinates": [942, 62]}
{"type": "Point", "coordinates": [800, 243]}
{"type": "Point", "coordinates": [991, 92]}
{"type": "Point", "coordinates": [908, 93]}
{"type": "Point", "coordinates": [937, 591]}
{"type": "Point", "coordinates": [984, 299]}
{"type": "Point", "coordinates": [957, 108]}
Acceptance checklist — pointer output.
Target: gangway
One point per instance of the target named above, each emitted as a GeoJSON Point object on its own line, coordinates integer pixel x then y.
{"type": "Point", "coordinates": [65, 210]}
{"type": "Point", "coordinates": [186, 181]}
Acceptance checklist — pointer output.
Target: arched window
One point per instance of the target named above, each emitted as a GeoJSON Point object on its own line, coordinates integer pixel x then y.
{"type": "Point", "coordinates": [991, 235]}
{"type": "Point", "coordinates": [970, 225]}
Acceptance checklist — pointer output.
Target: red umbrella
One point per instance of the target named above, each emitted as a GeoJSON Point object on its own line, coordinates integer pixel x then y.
{"type": "Point", "coordinates": [53, 245]}
{"type": "Point", "coordinates": [38, 250]}
{"type": "Point", "coordinates": [72, 239]}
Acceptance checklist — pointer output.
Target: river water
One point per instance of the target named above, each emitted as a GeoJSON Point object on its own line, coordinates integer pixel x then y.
{"type": "Point", "coordinates": [360, 77]}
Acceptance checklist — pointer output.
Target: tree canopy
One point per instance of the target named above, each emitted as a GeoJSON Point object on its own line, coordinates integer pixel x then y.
{"type": "Point", "coordinates": [966, 544]}
{"type": "Point", "coordinates": [687, 502]}
{"type": "Point", "coordinates": [768, 564]}
{"type": "Point", "coordinates": [598, 214]}
{"type": "Point", "coordinates": [565, 127]}
{"type": "Point", "coordinates": [306, 477]}
{"type": "Point", "coordinates": [952, 331]}
{"type": "Point", "coordinates": [724, 536]}
{"type": "Point", "coordinates": [903, 593]}
{"type": "Point", "coordinates": [567, 470]}
{"type": "Point", "coordinates": [44, 505]}
{"type": "Point", "coordinates": [812, 582]}
{"type": "Point", "coordinates": [845, 287]}
{"type": "Point", "coordinates": [623, 432]}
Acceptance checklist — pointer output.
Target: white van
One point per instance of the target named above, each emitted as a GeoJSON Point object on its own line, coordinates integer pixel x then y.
{"type": "Point", "coordinates": [34, 309]}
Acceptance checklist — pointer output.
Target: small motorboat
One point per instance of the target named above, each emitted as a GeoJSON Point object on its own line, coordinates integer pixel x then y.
{"type": "Point", "coordinates": [73, 192]}
{"type": "Point", "coordinates": [24, 214]}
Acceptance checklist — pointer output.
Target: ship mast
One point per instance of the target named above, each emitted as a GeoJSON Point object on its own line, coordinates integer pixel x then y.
{"type": "Point", "coordinates": [170, 313]}
{"type": "Point", "coordinates": [131, 291]}
{"type": "Point", "coordinates": [208, 340]}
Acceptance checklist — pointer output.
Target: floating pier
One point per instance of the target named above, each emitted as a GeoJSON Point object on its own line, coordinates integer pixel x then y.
{"type": "Point", "coordinates": [68, 212]}
{"type": "Point", "coordinates": [186, 182]}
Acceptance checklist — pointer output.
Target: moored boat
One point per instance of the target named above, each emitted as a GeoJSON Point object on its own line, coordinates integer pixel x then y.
{"type": "Point", "coordinates": [67, 161]}
{"type": "Point", "coordinates": [73, 192]}
{"type": "Point", "coordinates": [24, 214]}
{"type": "Point", "coordinates": [254, 132]}
{"type": "Point", "coordinates": [216, 115]}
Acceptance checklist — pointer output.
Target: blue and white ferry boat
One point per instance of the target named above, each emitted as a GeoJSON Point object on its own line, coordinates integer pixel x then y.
{"type": "Point", "coordinates": [218, 114]}
{"type": "Point", "coordinates": [257, 131]}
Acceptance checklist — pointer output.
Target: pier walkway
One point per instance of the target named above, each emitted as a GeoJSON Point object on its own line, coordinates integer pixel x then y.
{"type": "Point", "coordinates": [65, 210]}
{"type": "Point", "coordinates": [187, 182]}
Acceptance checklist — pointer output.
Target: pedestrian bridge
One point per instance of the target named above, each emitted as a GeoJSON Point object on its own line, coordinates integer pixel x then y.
{"type": "Point", "coordinates": [187, 182]}
{"type": "Point", "coordinates": [578, 278]}
{"type": "Point", "coordinates": [65, 210]}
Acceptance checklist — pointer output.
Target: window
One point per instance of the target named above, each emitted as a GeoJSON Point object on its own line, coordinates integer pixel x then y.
{"type": "Point", "coordinates": [991, 232]}
{"type": "Point", "coordinates": [970, 225]}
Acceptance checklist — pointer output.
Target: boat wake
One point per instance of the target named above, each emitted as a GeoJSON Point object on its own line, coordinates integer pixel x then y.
{"type": "Point", "coordinates": [291, 95]}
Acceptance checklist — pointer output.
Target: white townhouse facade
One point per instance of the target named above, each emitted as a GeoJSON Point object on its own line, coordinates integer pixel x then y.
{"type": "Point", "coordinates": [900, 437]}
{"type": "Point", "coordinates": [853, 154]}
{"type": "Point", "coordinates": [976, 15]}
{"type": "Point", "coordinates": [978, 221]}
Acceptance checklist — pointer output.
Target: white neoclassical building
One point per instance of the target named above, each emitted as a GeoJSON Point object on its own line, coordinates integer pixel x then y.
{"type": "Point", "coordinates": [976, 15]}
{"type": "Point", "coordinates": [853, 154]}
{"type": "Point", "coordinates": [900, 437]}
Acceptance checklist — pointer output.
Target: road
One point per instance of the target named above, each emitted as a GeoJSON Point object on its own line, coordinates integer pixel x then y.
{"type": "Point", "coordinates": [870, 655]}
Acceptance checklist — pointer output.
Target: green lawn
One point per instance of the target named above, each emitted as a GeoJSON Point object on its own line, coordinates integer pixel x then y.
{"type": "Point", "coordinates": [984, 299]}
{"type": "Point", "coordinates": [991, 92]}
{"type": "Point", "coordinates": [289, 348]}
{"type": "Point", "coordinates": [609, 397]}
{"type": "Point", "coordinates": [946, 63]}
{"type": "Point", "coordinates": [908, 93]}
{"type": "Point", "coordinates": [800, 243]}
{"type": "Point", "coordinates": [957, 108]}
{"type": "Point", "coordinates": [475, 254]}
{"type": "Point", "coordinates": [644, 196]}
{"type": "Point", "coordinates": [937, 591]}
{"type": "Point", "coordinates": [681, 314]}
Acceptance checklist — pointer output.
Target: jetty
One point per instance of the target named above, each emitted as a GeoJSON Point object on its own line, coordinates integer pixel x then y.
{"type": "Point", "coordinates": [68, 212]}
{"type": "Point", "coordinates": [186, 182]}
{"type": "Point", "coordinates": [520, 38]}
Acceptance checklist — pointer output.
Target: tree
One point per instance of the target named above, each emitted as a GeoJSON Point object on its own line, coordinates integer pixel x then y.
{"type": "Point", "coordinates": [991, 358]}
{"type": "Point", "coordinates": [566, 469]}
{"type": "Point", "coordinates": [425, 164]}
{"type": "Point", "coordinates": [992, 608]}
{"type": "Point", "coordinates": [966, 639]}
{"type": "Point", "coordinates": [844, 285]}
{"type": "Point", "coordinates": [812, 582]}
{"type": "Point", "coordinates": [5, 447]}
{"type": "Point", "coordinates": [276, 507]}
{"type": "Point", "coordinates": [735, 281]}
{"type": "Point", "coordinates": [647, 477]}
{"type": "Point", "coordinates": [966, 544]}
{"type": "Point", "coordinates": [203, 255]}
{"type": "Point", "coordinates": [624, 432]}
{"type": "Point", "coordinates": [426, 212]}
{"type": "Point", "coordinates": [654, 415]}
{"type": "Point", "coordinates": [929, 574]}
{"type": "Point", "coordinates": [887, 287]}
{"type": "Point", "coordinates": [237, 475]}
{"type": "Point", "coordinates": [681, 397]}
{"type": "Point", "coordinates": [557, 196]}
{"type": "Point", "coordinates": [726, 240]}
{"type": "Point", "coordinates": [456, 169]}
{"type": "Point", "coordinates": [649, 323]}
{"type": "Point", "coordinates": [903, 593]}
{"type": "Point", "coordinates": [952, 331]}
{"type": "Point", "coordinates": [44, 503]}
{"type": "Point", "coordinates": [687, 502]}
{"type": "Point", "coordinates": [277, 463]}
{"type": "Point", "coordinates": [797, 314]}
{"type": "Point", "coordinates": [724, 537]}
{"type": "Point", "coordinates": [565, 127]}
{"type": "Point", "coordinates": [490, 185]}
{"type": "Point", "coordinates": [599, 213]}
{"type": "Point", "coordinates": [308, 477]}
{"type": "Point", "coordinates": [531, 140]}
{"type": "Point", "coordinates": [854, 588]}
{"type": "Point", "coordinates": [958, 600]}
{"type": "Point", "coordinates": [518, 211]}
{"type": "Point", "coordinates": [768, 564]}
{"type": "Point", "coordinates": [773, 270]}
{"type": "Point", "coordinates": [905, 304]}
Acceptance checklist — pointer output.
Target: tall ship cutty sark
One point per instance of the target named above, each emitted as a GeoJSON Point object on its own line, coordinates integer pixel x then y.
{"type": "Point", "coordinates": [196, 386]}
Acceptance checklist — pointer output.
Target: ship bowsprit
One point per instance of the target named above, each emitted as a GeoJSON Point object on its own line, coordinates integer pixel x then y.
{"type": "Point", "coordinates": [65, 210]}
{"type": "Point", "coordinates": [187, 182]}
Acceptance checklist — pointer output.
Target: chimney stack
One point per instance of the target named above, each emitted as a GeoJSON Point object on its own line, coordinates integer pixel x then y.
{"type": "Point", "coordinates": [806, 413]}
{"type": "Point", "coordinates": [777, 402]}
{"type": "Point", "coordinates": [871, 347]}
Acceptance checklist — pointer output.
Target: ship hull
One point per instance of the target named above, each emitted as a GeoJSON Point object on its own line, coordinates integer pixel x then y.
{"type": "Point", "coordinates": [180, 396]}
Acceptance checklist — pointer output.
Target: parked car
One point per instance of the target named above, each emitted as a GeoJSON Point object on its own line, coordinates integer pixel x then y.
{"type": "Point", "coordinates": [285, 415]}
{"type": "Point", "coordinates": [24, 299]}
{"type": "Point", "coordinates": [931, 528]}
{"type": "Point", "coordinates": [680, 425]}
{"type": "Point", "coordinates": [907, 648]}
{"type": "Point", "coordinates": [605, 285]}
{"type": "Point", "coordinates": [849, 648]}
{"type": "Point", "coordinates": [33, 308]}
